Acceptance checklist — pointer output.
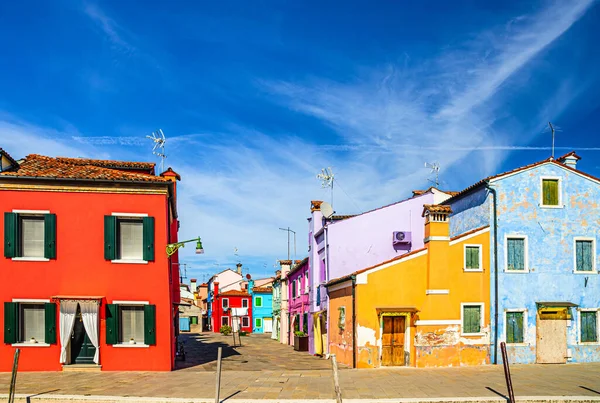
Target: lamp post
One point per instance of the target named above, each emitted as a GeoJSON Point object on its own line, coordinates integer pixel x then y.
{"type": "Point", "coordinates": [173, 247]}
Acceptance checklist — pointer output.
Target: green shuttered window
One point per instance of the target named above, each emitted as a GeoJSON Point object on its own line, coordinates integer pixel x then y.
{"type": "Point", "coordinates": [471, 319]}
{"type": "Point", "coordinates": [472, 257]}
{"type": "Point", "coordinates": [515, 254]}
{"type": "Point", "coordinates": [30, 235]}
{"type": "Point", "coordinates": [148, 240]}
{"type": "Point", "coordinates": [150, 324]}
{"type": "Point", "coordinates": [129, 238]}
{"type": "Point", "coordinates": [258, 322]}
{"type": "Point", "coordinates": [26, 321]}
{"type": "Point", "coordinates": [514, 327]}
{"type": "Point", "coordinates": [584, 255]}
{"type": "Point", "coordinates": [589, 330]}
{"type": "Point", "coordinates": [127, 322]}
{"type": "Point", "coordinates": [550, 192]}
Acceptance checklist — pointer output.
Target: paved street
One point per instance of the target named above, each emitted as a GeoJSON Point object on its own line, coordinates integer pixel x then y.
{"type": "Point", "coordinates": [265, 369]}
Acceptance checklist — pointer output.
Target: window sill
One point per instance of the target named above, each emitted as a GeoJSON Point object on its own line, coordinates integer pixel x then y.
{"type": "Point", "coordinates": [585, 272]}
{"type": "Point", "coordinates": [30, 259]}
{"type": "Point", "coordinates": [473, 334]}
{"type": "Point", "coordinates": [129, 261]}
{"type": "Point", "coordinates": [550, 206]}
{"type": "Point", "coordinates": [588, 343]}
{"type": "Point", "coordinates": [473, 270]}
{"type": "Point", "coordinates": [517, 344]}
{"type": "Point", "coordinates": [127, 345]}
{"type": "Point", "coordinates": [516, 271]}
{"type": "Point", "coordinates": [30, 345]}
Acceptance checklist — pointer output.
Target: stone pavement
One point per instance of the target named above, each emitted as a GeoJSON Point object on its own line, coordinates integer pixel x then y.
{"type": "Point", "coordinates": [265, 369]}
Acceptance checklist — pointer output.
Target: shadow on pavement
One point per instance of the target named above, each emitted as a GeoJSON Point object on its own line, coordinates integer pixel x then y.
{"type": "Point", "coordinates": [496, 392]}
{"type": "Point", "coordinates": [591, 390]}
{"type": "Point", "coordinates": [200, 349]}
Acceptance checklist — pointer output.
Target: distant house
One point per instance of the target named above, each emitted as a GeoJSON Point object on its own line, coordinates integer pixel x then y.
{"type": "Point", "coordinates": [228, 280]}
{"type": "Point", "coordinates": [276, 309]}
{"type": "Point", "coordinates": [298, 303]}
{"type": "Point", "coordinates": [222, 309]}
{"type": "Point", "coordinates": [284, 317]}
{"type": "Point", "coordinates": [262, 308]}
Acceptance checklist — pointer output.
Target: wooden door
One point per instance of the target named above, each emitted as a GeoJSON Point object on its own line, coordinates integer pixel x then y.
{"type": "Point", "coordinates": [268, 325]}
{"type": "Point", "coordinates": [551, 341]}
{"type": "Point", "coordinates": [393, 341]}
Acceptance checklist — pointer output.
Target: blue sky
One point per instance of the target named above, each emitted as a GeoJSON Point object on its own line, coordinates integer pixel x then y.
{"type": "Point", "coordinates": [256, 97]}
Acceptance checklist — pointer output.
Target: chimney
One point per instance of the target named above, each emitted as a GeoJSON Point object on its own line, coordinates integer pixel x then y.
{"type": "Point", "coordinates": [215, 288]}
{"type": "Point", "coordinates": [239, 268]}
{"type": "Point", "coordinates": [250, 286]}
{"type": "Point", "coordinates": [569, 159]}
{"type": "Point", "coordinates": [193, 285]}
{"type": "Point", "coordinates": [437, 242]}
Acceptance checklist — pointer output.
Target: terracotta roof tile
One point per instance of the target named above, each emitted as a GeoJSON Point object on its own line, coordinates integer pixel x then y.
{"type": "Point", "coordinates": [299, 264]}
{"type": "Point", "coordinates": [262, 289]}
{"type": "Point", "coordinates": [436, 208]}
{"type": "Point", "coordinates": [39, 166]}
{"type": "Point", "coordinates": [146, 166]}
{"type": "Point", "coordinates": [234, 293]}
{"type": "Point", "coordinates": [562, 158]}
{"type": "Point", "coordinates": [422, 192]}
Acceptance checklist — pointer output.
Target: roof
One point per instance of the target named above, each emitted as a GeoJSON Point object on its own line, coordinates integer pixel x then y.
{"type": "Point", "coordinates": [341, 217]}
{"type": "Point", "coordinates": [315, 205]}
{"type": "Point", "coordinates": [233, 293]}
{"type": "Point", "coordinates": [170, 172]}
{"type": "Point", "coordinates": [422, 192]}
{"type": "Point", "coordinates": [39, 166]}
{"type": "Point", "coordinates": [263, 289]}
{"type": "Point", "coordinates": [7, 155]}
{"type": "Point", "coordinates": [281, 262]}
{"type": "Point", "coordinates": [572, 154]}
{"type": "Point", "coordinates": [436, 209]}
{"type": "Point", "coordinates": [299, 264]}
{"type": "Point", "coordinates": [128, 165]}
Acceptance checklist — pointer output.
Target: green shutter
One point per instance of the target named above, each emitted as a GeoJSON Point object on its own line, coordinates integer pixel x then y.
{"type": "Point", "coordinates": [112, 324]}
{"type": "Point", "coordinates": [550, 192]}
{"type": "Point", "coordinates": [110, 237]}
{"type": "Point", "coordinates": [11, 312]}
{"type": "Point", "coordinates": [588, 327]}
{"type": "Point", "coordinates": [514, 327]}
{"type": "Point", "coordinates": [50, 236]}
{"type": "Point", "coordinates": [584, 255]}
{"type": "Point", "coordinates": [472, 257]}
{"type": "Point", "coordinates": [471, 319]}
{"type": "Point", "coordinates": [516, 254]}
{"type": "Point", "coordinates": [149, 324]}
{"type": "Point", "coordinates": [11, 246]}
{"type": "Point", "coordinates": [148, 239]}
{"type": "Point", "coordinates": [50, 321]}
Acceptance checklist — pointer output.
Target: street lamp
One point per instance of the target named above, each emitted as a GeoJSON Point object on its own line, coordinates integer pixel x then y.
{"type": "Point", "coordinates": [173, 247]}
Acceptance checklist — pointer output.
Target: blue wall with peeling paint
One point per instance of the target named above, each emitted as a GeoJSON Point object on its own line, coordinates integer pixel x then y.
{"type": "Point", "coordinates": [550, 247]}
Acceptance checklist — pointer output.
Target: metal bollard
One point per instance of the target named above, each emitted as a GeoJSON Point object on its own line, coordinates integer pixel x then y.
{"type": "Point", "coordinates": [13, 379]}
{"type": "Point", "coordinates": [511, 394]}
{"type": "Point", "coordinates": [336, 380]}
{"type": "Point", "coordinates": [218, 386]}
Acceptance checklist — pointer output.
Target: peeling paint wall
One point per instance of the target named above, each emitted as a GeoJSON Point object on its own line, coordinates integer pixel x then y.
{"type": "Point", "coordinates": [340, 329]}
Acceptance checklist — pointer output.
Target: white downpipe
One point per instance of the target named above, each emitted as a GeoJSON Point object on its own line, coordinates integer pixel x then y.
{"type": "Point", "coordinates": [326, 347]}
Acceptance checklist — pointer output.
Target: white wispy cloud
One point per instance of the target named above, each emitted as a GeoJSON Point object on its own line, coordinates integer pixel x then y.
{"type": "Point", "coordinates": [113, 31]}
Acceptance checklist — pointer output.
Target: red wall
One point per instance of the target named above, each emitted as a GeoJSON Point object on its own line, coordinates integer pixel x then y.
{"type": "Point", "coordinates": [80, 270]}
{"type": "Point", "coordinates": [234, 302]}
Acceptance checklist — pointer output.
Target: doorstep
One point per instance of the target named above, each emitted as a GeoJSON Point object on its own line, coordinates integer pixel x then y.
{"type": "Point", "coordinates": [82, 368]}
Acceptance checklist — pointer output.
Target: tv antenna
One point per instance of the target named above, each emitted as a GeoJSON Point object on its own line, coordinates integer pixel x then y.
{"type": "Point", "coordinates": [235, 253]}
{"type": "Point", "coordinates": [435, 170]}
{"type": "Point", "coordinates": [326, 176]}
{"type": "Point", "coordinates": [158, 137]}
{"type": "Point", "coordinates": [552, 128]}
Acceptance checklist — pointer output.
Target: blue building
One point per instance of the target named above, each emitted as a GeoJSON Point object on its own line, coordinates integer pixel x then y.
{"type": "Point", "coordinates": [262, 308]}
{"type": "Point", "coordinates": [544, 222]}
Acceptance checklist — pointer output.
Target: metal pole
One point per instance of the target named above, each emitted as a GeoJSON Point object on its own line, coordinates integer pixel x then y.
{"type": "Point", "coordinates": [13, 378]}
{"type": "Point", "coordinates": [511, 393]}
{"type": "Point", "coordinates": [288, 232]}
{"type": "Point", "coordinates": [218, 386]}
{"type": "Point", "coordinates": [336, 380]}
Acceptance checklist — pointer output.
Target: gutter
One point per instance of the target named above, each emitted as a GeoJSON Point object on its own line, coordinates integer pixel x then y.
{"type": "Point", "coordinates": [354, 349]}
{"type": "Point", "coordinates": [495, 225]}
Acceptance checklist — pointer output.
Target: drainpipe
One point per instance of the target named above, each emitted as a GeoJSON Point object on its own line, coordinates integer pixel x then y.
{"type": "Point", "coordinates": [495, 224]}
{"type": "Point", "coordinates": [326, 281]}
{"type": "Point", "coordinates": [354, 349]}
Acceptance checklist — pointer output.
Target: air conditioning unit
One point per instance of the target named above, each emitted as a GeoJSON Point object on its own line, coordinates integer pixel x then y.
{"type": "Point", "coordinates": [402, 237]}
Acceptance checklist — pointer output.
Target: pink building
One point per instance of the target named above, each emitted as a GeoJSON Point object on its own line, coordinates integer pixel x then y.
{"type": "Point", "coordinates": [298, 304]}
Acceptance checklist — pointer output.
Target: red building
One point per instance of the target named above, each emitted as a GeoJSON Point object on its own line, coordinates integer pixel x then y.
{"type": "Point", "coordinates": [223, 314]}
{"type": "Point", "coordinates": [85, 276]}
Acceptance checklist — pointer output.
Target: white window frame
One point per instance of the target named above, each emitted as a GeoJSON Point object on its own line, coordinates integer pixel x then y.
{"type": "Point", "coordinates": [525, 341]}
{"type": "Point", "coordinates": [25, 258]}
{"type": "Point", "coordinates": [592, 343]}
{"type": "Point", "coordinates": [526, 247]}
{"type": "Point", "coordinates": [481, 320]}
{"type": "Point", "coordinates": [246, 318]}
{"type": "Point", "coordinates": [133, 216]}
{"type": "Point", "coordinates": [261, 301]}
{"type": "Point", "coordinates": [594, 268]}
{"type": "Point", "coordinates": [225, 317]}
{"type": "Point", "coordinates": [29, 301]}
{"type": "Point", "coordinates": [245, 301]}
{"type": "Point", "coordinates": [125, 344]}
{"type": "Point", "coordinates": [560, 198]}
{"type": "Point", "coordinates": [472, 245]}
{"type": "Point", "coordinates": [223, 303]}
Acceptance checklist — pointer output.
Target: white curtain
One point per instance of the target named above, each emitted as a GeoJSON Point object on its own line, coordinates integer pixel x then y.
{"type": "Point", "coordinates": [68, 309]}
{"type": "Point", "coordinates": [89, 316]}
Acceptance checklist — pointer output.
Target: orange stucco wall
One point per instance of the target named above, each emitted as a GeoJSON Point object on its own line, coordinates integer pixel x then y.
{"type": "Point", "coordinates": [340, 336]}
{"type": "Point", "coordinates": [401, 287]}
{"type": "Point", "coordinates": [80, 270]}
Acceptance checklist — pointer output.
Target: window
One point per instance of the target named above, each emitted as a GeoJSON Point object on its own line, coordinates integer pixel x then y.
{"type": "Point", "coordinates": [128, 238]}
{"type": "Point", "coordinates": [473, 259]}
{"type": "Point", "coordinates": [29, 322]}
{"type": "Point", "coordinates": [224, 320]}
{"type": "Point", "coordinates": [29, 235]}
{"type": "Point", "coordinates": [225, 303]}
{"type": "Point", "coordinates": [585, 255]}
{"type": "Point", "coordinates": [342, 318]}
{"type": "Point", "coordinates": [305, 322]}
{"type": "Point", "coordinates": [516, 253]}
{"type": "Point", "coordinates": [245, 321]}
{"type": "Point", "coordinates": [293, 289]}
{"type": "Point", "coordinates": [588, 325]}
{"type": "Point", "coordinates": [550, 192]}
{"type": "Point", "coordinates": [299, 282]}
{"type": "Point", "coordinates": [244, 303]}
{"type": "Point", "coordinates": [258, 322]}
{"type": "Point", "coordinates": [515, 326]}
{"type": "Point", "coordinates": [318, 295]}
{"type": "Point", "coordinates": [306, 283]}
{"type": "Point", "coordinates": [296, 322]}
{"type": "Point", "coordinates": [472, 318]}
{"type": "Point", "coordinates": [258, 301]}
{"type": "Point", "coordinates": [130, 322]}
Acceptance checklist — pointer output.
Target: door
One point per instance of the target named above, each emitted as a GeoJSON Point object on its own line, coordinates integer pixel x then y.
{"type": "Point", "coordinates": [551, 341]}
{"type": "Point", "coordinates": [268, 325]}
{"type": "Point", "coordinates": [392, 341]}
{"type": "Point", "coordinates": [82, 349]}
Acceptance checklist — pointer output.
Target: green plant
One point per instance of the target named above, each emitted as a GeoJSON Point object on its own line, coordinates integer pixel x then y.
{"type": "Point", "coordinates": [300, 333]}
{"type": "Point", "coordinates": [242, 333]}
{"type": "Point", "coordinates": [225, 330]}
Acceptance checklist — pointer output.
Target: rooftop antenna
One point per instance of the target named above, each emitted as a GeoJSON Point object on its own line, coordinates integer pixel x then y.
{"type": "Point", "coordinates": [326, 176]}
{"type": "Point", "coordinates": [435, 170]}
{"type": "Point", "coordinates": [158, 137]}
{"type": "Point", "coordinates": [235, 252]}
{"type": "Point", "coordinates": [552, 128]}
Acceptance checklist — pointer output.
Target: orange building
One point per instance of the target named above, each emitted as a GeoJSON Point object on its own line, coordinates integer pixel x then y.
{"type": "Point", "coordinates": [427, 308]}
{"type": "Point", "coordinates": [85, 277]}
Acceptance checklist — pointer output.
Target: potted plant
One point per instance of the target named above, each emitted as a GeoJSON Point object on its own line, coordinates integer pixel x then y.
{"type": "Point", "coordinates": [300, 341]}
{"type": "Point", "coordinates": [225, 330]}
{"type": "Point", "coordinates": [132, 341]}
{"type": "Point", "coordinates": [33, 340]}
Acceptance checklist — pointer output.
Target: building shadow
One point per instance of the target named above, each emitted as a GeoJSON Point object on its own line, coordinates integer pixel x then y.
{"type": "Point", "coordinates": [201, 350]}
{"type": "Point", "coordinates": [496, 392]}
{"type": "Point", "coordinates": [231, 395]}
{"type": "Point", "coordinates": [28, 398]}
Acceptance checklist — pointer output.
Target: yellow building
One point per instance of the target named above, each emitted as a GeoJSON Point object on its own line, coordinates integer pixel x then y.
{"type": "Point", "coordinates": [427, 308]}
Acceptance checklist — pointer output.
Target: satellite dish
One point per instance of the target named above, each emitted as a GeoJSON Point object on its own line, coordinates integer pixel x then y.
{"type": "Point", "coordinates": [326, 210]}
{"type": "Point", "coordinates": [248, 276]}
